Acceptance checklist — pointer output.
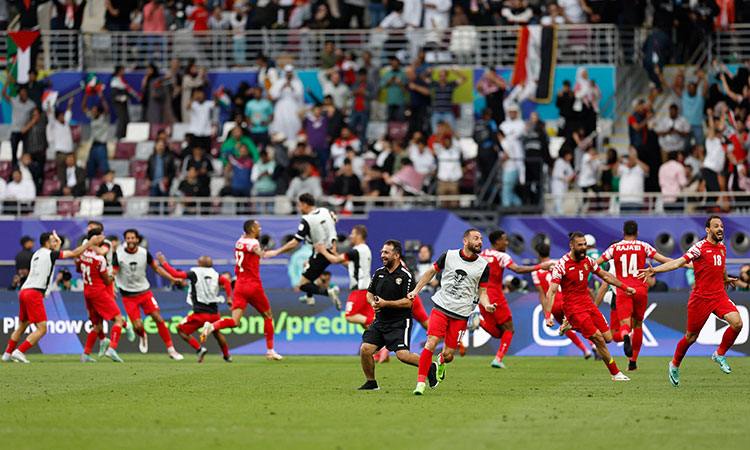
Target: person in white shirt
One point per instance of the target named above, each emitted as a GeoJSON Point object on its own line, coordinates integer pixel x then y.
{"type": "Point", "coordinates": [673, 130]}
{"type": "Point", "coordinates": [330, 82]}
{"type": "Point", "coordinates": [199, 127]}
{"type": "Point", "coordinates": [562, 176]}
{"type": "Point", "coordinates": [513, 127]}
{"type": "Point", "coordinates": [514, 170]}
{"type": "Point", "coordinates": [60, 134]}
{"type": "Point", "coordinates": [632, 172]}
{"type": "Point", "coordinates": [18, 194]}
{"type": "Point", "coordinates": [574, 11]}
{"type": "Point", "coordinates": [437, 14]}
{"type": "Point", "coordinates": [422, 158]}
{"type": "Point", "coordinates": [715, 158]}
{"type": "Point", "coordinates": [449, 172]}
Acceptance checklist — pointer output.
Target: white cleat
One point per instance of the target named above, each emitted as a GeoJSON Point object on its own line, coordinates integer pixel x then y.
{"type": "Point", "coordinates": [174, 355]}
{"type": "Point", "coordinates": [619, 376]}
{"type": "Point", "coordinates": [271, 354]}
{"type": "Point", "coordinates": [6, 357]}
{"type": "Point", "coordinates": [130, 333]}
{"type": "Point", "coordinates": [333, 293]}
{"type": "Point", "coordinates": [143, 344]}
{"type": "Point", "coordinates": [17, 356]}
{"type": "Point", "coordinates": [208, 328]}
{"type": "Point", "coordinates": [103, 346]}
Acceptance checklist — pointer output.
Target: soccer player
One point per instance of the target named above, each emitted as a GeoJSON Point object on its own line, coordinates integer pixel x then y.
{"type": "Point", "coordinates": [129, 263]}
{"type": "Point", "coordinates": [709, 296]}
{"type": "Point", "coordinates": [31, 297]}
{"type": "Point", "coordinates": [627, 257]}
{"type": "Point", "coordinates": [499, 323]}
{"type": "Point", "coordinates": [248, 289]}
{"type": "Point", "coordinates": [571, 273]}
{"type": "Point", "coordinates": [203, 296]}
{"type": "Point", "coordinates": [318, 225]}
{"type": "Point", "coordinates": [388, 294]}
{"type": "Point", "coordinates": [465, 277]}
{"type": "Point", "coordinates": [541, 279]}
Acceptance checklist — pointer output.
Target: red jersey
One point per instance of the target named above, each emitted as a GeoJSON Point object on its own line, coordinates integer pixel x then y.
{"type": "Point", "coordinates": [573, 277]}
{"type": "Point", "coordinates": [199, 16]}
{"type": "Point", "coordinates": [247, 266]}
{"type": "Point", "coordinates": [627, 258]}
{"type": "Point", "coordinates": [92, 266]}
{"type": "Point", "coordinates": [542, 278]}
{"type": "Point", "coordinates": [497, 261]}
{"type": "Point", "coordinates": [708, 262]}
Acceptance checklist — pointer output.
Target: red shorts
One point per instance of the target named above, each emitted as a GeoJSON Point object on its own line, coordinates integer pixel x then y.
{"type": "Point", "coordinates": [501, 315]}
{"type": "Point", "coordinates": [587, 321]}
{"type": "Point", "coordinates": [557, 309]}
{"type": "Point", "coordinates": [250, 293]}
{"type": "Point", "coordinates": [191, 323]}
{"type": "Point", "coordinates": [417, 310]}
{"type": "Point", "coordinates": [145, 300]}
{"type": "Point", "coordinates": [32, 306]}
{"type": "Point", "coordinates": [631, 305]}
{"type": "Point", "coordinates": [442, 326]}
{"type": "Point", "coordinates": [699, 309]}
{"type": "Point", "coordinates": [101, 307]}
{"type": "Point", "coordinates": [357, 304]}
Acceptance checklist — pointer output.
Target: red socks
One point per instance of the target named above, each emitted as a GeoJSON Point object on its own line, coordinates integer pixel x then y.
{"type": "Point", "coordinates": [24, 346]}
{"type": "Point", "coordinates": [225, 323]}
{"type": "Point", "coordinates": [637, 341]}
{"type": "Point", "coordinates": [225, 350]}
{"type": "Point", "coordinates": [425, 359]}
{"type": "Point", "coordinates": [620, 335]}
{"type": "Point", "coordinates": [164, 333]}
{"type": "Point", "coordinates": [11, 346]}
{"type": "Point", "coordinates": [101, 335]}
{"type": "Point", "coordinates": [493, 331]}
{"type": "Point", "coordinates": [679, 353]}
{"type": "Point", "coordinates": [115, 333]}
{"type": "Point", "coordinates": [574, 339]}
{"type": "Point", "coordinates": [612, 366]}
{"type": "Point", "coordinates": [504, 344]}
{"type": "Point", "coordinates": [194, 343]}
{"type": "Point", "coordinates": [267, 331]}
{"type": "Point", "coordinates": [140, 332]}
{"type": "Point", "coordinates": [90, 341]}
{"type": "Point", "coordinates": [727, 340]}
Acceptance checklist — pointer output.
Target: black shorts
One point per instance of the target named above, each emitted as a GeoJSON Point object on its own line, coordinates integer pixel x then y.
{"type": "Point", "coordinates": [394, 336]}
{"type": "Point", "coordinates": [315, 266]}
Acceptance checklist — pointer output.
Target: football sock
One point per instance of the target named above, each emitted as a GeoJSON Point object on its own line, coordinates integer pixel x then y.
{"type": "Point", "coordinates": [312, 288]}
{"type": "Point", "coordinates": [574, 339]}
{"type": "Point", "coordinates": [194, 343]}
{"type": "Point", "coordinates": [101, 335]}
{"type": "Point", "coordinates": [612, 366]}
{"type": "Point", "coordinates": [90, 341]}
{"type": "Point", "coordinates": [11, 346]}
{"type": "Point", "coordinates": [115, 333]}
{"type": "Point", "coordinates": [614, 318]}
{"type": "Point", "coordinates": [140, 332]}
{"type": "Point", "coordinates": [624, 331]}
{"type": "Point", "coordinates": [637, 342]}
{"type": "Point", "coordinates": [25, 345]}
{"type": "Point", "coordinates": [493, 331]}
{"type": "Point", "coordinates": [425, 359]}
{"type": "Point", "coordinates": [225, 350]}
{"type": "Point", "coordinates": [727, 340]}
{"type": "Point", "coordinates": [679, 353]}
{"type": "Point", "coordinates": [504, 344]}
{"type": "Point", "coordinates": [164, 334]}
{"type": "Point", "coordinates": [224, 323]}
{"type": "Point", "coordinates": [268, 332]}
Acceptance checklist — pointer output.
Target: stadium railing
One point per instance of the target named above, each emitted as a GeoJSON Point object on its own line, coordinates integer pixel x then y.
{"type": "Point", "coordinates": [731, 45]}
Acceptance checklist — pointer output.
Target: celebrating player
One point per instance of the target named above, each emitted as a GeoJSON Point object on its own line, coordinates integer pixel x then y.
{"type": "Point", "coordinates": [499, 323]}
{"type": "Point", "coordinates": [248, 289]}
{"type": "Point", "coordinates": [203, 296]}
{"type": "Point", "coordinates": [541, 279]}
{"type": "Point", "coordinates": [571, 273]}
{"type": "Point", "coordinates": [317, 226]}
{"type": "Point", "coordinates": [628, 256]}
{"type": "Point", "coordinates": [709, 296]}
{"type": "Point", "coordinates": [31, 297]}
{"type": "Point", "coordinates": [465, 277]}
{"type": "Point", "coordinates": [129, 263]}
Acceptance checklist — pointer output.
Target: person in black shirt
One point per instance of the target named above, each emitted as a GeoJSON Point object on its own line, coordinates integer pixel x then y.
{"type": "Point", "coordinates": [23, 258]}
{"type": "Point", "coordinates": [393, 320]}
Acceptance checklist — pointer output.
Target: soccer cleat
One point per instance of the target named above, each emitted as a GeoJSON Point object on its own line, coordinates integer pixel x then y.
{"type": "Point", "coordinates": [17, 356]}
{"type": "Point", "coordinates": [474, 320]}
{"type": "Point", "coordinates": [382, 356]}
{"type": "Point", "coordinates": [370, 385]}
{"type": "Point", "coordinates": [228, 358]}
{"type": "Point", "coordinates": [112, 353]}
{"type": "Point", "coordinates": [564, 327]}
{"type": "Point", "coordinates": [619, 376]}
{"type": "Point", "coordinates": [721, 360]}
{"type": "Point", "coordinates": [103, 346]}
{"type": "Point", "coordinates": [87, 358]}
{"type": "Point", "coordinates": [271, 354]}
{"type": "Point", "coordinates": [497, 364]}
{"type": "Point", "coordinates": [202, 354]}
{"type": "Point", "coordinates": [174, 355]}
{"type": "Point", "coordinates": [6, 357]}
{"type": "Point", "coordinates": [130, 333]}
{"type": "Point", "coordinates": [674, 374]}
{"type": "Point", "coordinates": [461, 349]}
{"type": "Point", "coordinates": [143, 344]}
{"type": "Point", "coordinates": [632, 366]}
{"type": "Point", "coordinates": [431, 375]}
{"type": "Point", "coordinates": [419, 390]}
{"type": "Point", "coordinates": [627, 347]}
{"type": "Point", "coordinates": [208, 328]}
{"type": "Point", "coordinates": [310, 301]}
{"type": "Point", "coordinates": [587, 354]}
{"type": "Point", "coordinates": [440, 371]}
{"type": "Point", "coordinates": [333, 294]}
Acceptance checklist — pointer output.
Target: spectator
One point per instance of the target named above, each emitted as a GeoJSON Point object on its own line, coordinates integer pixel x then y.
{"type": "Point", "coordinates": [407, 181]}
{"type": "Point", "coordinates": [240, 167]}
{"type": "Point", "coordinates": [69, 13]}
{"type": "Point", "coordinates": [238, 22]}
{"type": "Point", "coordinates": [553, 16]}
{"type": "Point", "coordinates": [152, 104]}
{"type": "Point", "coordinates": [444, 89]}
{"type": "Point", "coordinates": [201, 162]}
{"type": "Point", "coordinates": [419, 101]}
{"type": "Point", "coordinates": [72, 178]}
{"type": "Point", "coordinates": [234, 141]}
{"type": "Point", "coordinates": [58, 128]}
{"type": "Point", "coordinates": [347, 184]}
{"type": "Point", "coordinates": [693, 102]}
{"type": "Point", "coordinates": [358, 163]}
{"type": "Point", "coordinates": [485, 135]}
{"type": "Point", "coordinates": [154, 23]}
{"type": "Point", "coordinates": [217, 21]}
{"type": "Point", "coordinates": [638, 123]}
{"type": "Point", "coordinates": [36, 88]}
{"type": "Point", "coordinates": [364, 93]}
{"type": "Point", "coordinates": [514, 172]}
{"type": "Point", "coordinates": [99, 116]}
{"type": "Point", "coordinates": [160, 170]}
{"type": "Point", "coordinates": [199, 129]}
{"type": "Point", "coordinates": [64, 282]}
{"type": "Point", "coordinates": [340, 146]}
{"type": "Point", "coordinates": [192, 187]}
{"type": "Point", "coordinates": [173, 89]}
{"type": "Point", "coordinates": [564, 103]}
{"type": "Point", "coordinates": [36, 140]}
{"type": "Point", "coordinates": [193, 80]}
{"type": "Point", "coordinates": [672, 130]}
{"type": "Point", "coordinates": [536, 154]}
{"type": "Point", "coordinates": [199, 17]}
{"type": "Point", "coordinates": [657, 51]}
{"type": "Point", "coordinates": [672, 180]}
{"type": "Point", "coordinates": [743, 284]}
{"type": "Point", "coordinates": [376, 184]}
{"type": "Point", "coordinates": [493, 87]}
{"type": "Point", "coordinates": [377, 12]}
{"type": "Point", "coordinates": [331, 83]}
{"type": "Point", "coordinates": [425, 263]}
{"type": "Point", "coordinates": [562, 176]}
{"type": "Point", "coordinates": [715, 159]}
{"type": "Point", "coordinates": [586, 103]}
{"type": "Point", "coordinates": [305, 182]}
{"type": "Point", "coordinates": [655, 285]}
{"type": "Point", "coordinates": [259, 115]}
{"type": "Point", "coordinates": [21, 117]}
{"type": "Point", "coordinates": [23, 258]}
{"type": "Point", "coordinates": [262, 177]}
{"type": "Point", "coordinates": [30, 170]}
{"type": "Point", "coordinates": [513, 127]}
{"type": "Point", "coordinates": [121, 93]}
{"type": "Point", "coordinates": [287, 93]}
{"type": "Point", "coordinates": [395, 84]}
{"type": "Point", "coordinates": [111, 193]}
{"type": "Point", "coordinates": [437, 14]}
{"type": "Point", "coordinates": [316, 128]}
{"type": "Point", "coordinates": [449, 172]}
{"type": "Point", "coordinates": [18, 194]}
{"type": "Point", "coordinates": [117, 17]}
{"type": "Point", "coordinates": [632, 172]}
{"type": "Point", "coordinates": [574, 11]}
{"type": "Point", "coordinates": [516, 12]}
{"type": "Point", "coordinates": [328, 56]}
{"type": "Point", "coordinates": [335, 119]}
{"type": "Point", "coordinates": [459, 17]}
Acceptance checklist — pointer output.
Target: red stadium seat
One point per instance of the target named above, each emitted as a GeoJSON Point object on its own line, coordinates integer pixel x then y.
{"type": "Point", "coordinates": [76, 131]}
{"type": "Point", "coordinates": [138, 169]}
{"type": "Point", "coordinates": [5, 167]}
{"type": "Point", "coordinates": [94, 184]}
{"type": "Point", "coordinates": [125, 150]}
{"type": "Point", "coordinates": [141, 187]}
{"type": "Point", "coordinates": [50, 186]}
{"type": "Point", "coordinates": [470, 176]}
{"type": "Point", "coordinates": [156, 128]}
{"type": "Point", "coordinates": [397, 130]}
{"type": "Point", "coordinates": [68, 207]}
{"type": "Point", "coordinates": [50, 169]}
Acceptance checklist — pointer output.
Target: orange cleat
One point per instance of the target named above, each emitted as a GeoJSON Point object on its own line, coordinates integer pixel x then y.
{"type": "Point", "coordinates": [461, 349]}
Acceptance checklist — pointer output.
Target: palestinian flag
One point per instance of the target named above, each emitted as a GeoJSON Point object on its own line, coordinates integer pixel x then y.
{"type": "Point", "coordinates": [93, 85]}
{"type": "Point", "coordinates": [49, 99]}
{"type": "Point", "coordinates": [222, 98]}
{"type": "Point", "coordinates": [536, 55]}
{"type": "Point", "coordinates": [19, 53]}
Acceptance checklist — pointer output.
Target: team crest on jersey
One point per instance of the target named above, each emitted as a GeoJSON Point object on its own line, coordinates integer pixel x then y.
{"type": "Point", "coordinates": [586, 266]}
{"type": "Point", "coordinates": [399, 280]}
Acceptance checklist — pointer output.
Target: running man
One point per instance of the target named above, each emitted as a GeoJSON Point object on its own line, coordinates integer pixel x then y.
{"type": "Point", "coordinates": [499, 323]}
{"type": "Point", "coordinates": [248, 289]}
{"type": "Point", "coordinates": [709, 295]}
{"type": "Point", "coordinates": [203, 296]}
{"type": "Point", "coordinates": [31, 297]}
{"type": "Point", "coordinates": [627, 257]}
{"type": "Point", "coordinates": [318, 226]}
{"type": "Point", "coordinates": [572, 273]}
{"type": "Point", "coordinates": [129, 264]}
{"type": "Point", "coordinates": [465, 278]}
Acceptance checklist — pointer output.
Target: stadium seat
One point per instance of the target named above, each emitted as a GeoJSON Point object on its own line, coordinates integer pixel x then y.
{"type": "Point", "coordinates": [463, 41]}
{"type": "Point", "coordinates": [121, 167]}
{"type": "Point", "coordinates": [45, 207]}
{"type": "Point", "coordinates": [68, 207]}
{"type": "Point", "coordinates": [398, 130]}
{"type": "Point", "coordinates": [137, 132]}
{"type": "Point", "coordinates": [77, 132]}
{"type": "Point", "coordinates": [127, 184]}
{"type": "Point", "coordinates": [144, 150]}
{"type": "Point", "coordinates": [469, 148]}
{"type": "Point", "coordinates": [217, 166]}
{"type": "Point", "coordinates": [156, 128]}
{"type": "Point", "coordinates": [5, 169]}
{"type": "Point", "coordinates": [226, 129]}
{"type": "Point", "coordinates": [5, 151]}
{"type": "Point", "coordinates": [125, 150]}
{"type": "Point", "coordinates": [141, 187]}
{"type": "Point", "coordinates": [50, 186]}
{"type": "Point", "coordinates": [94, 184]}
{"type": "Point", "coordinates": [50, 169]}
{"type": "Point", "coordinates": [215, 148]}
{"type": "Point", "coordinates": [216, 184]}
{"type": "Point", "coordinates": [138, 169]}
{"type": "Point", "coordinates": [470, 176]}
{"type": "Point", "coordinates": [375, 130]}
{"type": "Point", "coordinates": [178, 131]}
{"type": "Point", "coordinates": [91, 207]}
{"type": "Point", "coordinates": [136, 207]}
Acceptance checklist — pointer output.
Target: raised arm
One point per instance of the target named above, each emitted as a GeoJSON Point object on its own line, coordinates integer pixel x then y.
{"type": "Point", "coordinates": [105, 105]}
{"type": "Point", "coordinates": [163, 273]}
{"type": "Point", "coordinates": [170, 270]}
{"type": "Point", "coordinates": [293, 243]}
{"type": "Point", "coordinates": [666, 267]}
{"type": "Point", "coordinates": [527, 269]}
{"type": "Point", "coordinates": [65, 254]}
{"type": "Point", "coordinates": [84, 103]}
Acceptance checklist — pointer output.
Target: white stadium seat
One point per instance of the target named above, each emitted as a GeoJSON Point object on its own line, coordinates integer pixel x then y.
{"type": "Point", "coordinates": [45, 207]}
{"type": "Point", "coordinates": [5, 151]}
{"type": "Point", "coordinates": [137, 132]}
{"type": "Point", "coordinates": [136, 207]}
{"type": "Point", "coordinates": [216, 184]}
{"type": "Point", "coordinates": [121, 167]}
{"type": "Point", "coordinates": [91, 207]}
{"type": "Point", "coordinates": [127, 184]}
{"type": "Point", "coordinates": [226, 129]}
{"type": "Point", "coordinates": [179, 130]}
{"type": "Point", "coordinates": [144, 150]}
{"type": "Point", "coordinates": [555, 143]}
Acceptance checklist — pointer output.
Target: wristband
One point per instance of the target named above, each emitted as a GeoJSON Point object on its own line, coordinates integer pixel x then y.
{"type": "Point", "coordinates": [538, 267]}
{"type": "Point", "coordinates": [547, 315]}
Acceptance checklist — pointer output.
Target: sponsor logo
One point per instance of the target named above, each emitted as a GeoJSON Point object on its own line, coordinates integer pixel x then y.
{"type": "Point", "coordinates": [714, 329]}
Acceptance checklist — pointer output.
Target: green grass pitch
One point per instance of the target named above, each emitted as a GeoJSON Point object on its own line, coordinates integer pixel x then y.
{"type": "Point", "coordinates": [312, 402]}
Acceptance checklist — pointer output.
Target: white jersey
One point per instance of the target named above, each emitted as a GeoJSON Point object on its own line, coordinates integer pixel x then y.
{"type": "Point", "coordinates": [459, 287]}
{"type": "Point", "coordinates": [360, 266]}
{"type": "Point", "coordinates": [42, 267]}
{"type": "Point", "coordinates": [317, 227]}
{"type": "Point", "coordinates": [204, 286]}
{"type": "Point", "coordinates": [131, 274]}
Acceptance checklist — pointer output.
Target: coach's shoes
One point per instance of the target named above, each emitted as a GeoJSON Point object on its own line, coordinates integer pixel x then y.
{"type": "Point", "coordinates": [17, 356]}
{"type": "Point", "coordinates": [432, 375]}
{"type": "Point", "coordinates": [674, 374]}
{"type": "Point", "coordinates": [87, 358]}
{"type": "Point", "coordinates": [112, 354]}
{"type": "Point", "coordinates": [202, 354]}
{"type": "Point", "coordinates": [271, 354]}
{"type": "Point", "coordinates": [333, 293]}
{"type": "Point", "coordinates": [627, 347]}
{"type": "Point", "coordinates": [130, 333]}
{"type": "Point", "coordinates": [174, 355]}
{"type": "Point", "coordinates": [564, 327]}
{"type": "Point", "coordinates": [497, 364]}
{"type": "Point", "coordinates": [419, 390]}
{"type": "Point", "coordinates": [143, 344]}
{"type": "Point", "coordinates": [632, 366]}
{"type": "Point", "coordinates": [370, 385]}
{"type": "Point", "coordinates": [721, 360]}
{"type": "Point", "coordinates": [6, 357]}
{"type": "Point", "coordinates": [619, 376]}
{"type": "Point", "coordinates": [103, 346]}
